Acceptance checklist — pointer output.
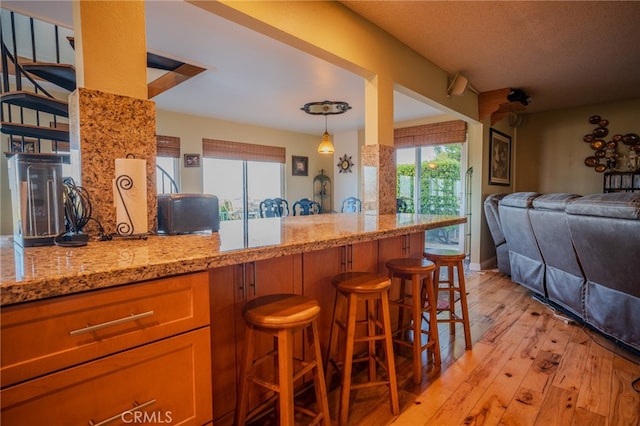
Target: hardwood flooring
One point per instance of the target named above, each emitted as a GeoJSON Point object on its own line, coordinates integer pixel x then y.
{"type": "Point", "coordinates": [528, 366]}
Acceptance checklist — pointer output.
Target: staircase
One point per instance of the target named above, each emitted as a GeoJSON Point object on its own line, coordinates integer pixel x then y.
{"type": "Point", "coordinates": [31, 115]}
{"type": "Point", "coordinates": [34, 118]}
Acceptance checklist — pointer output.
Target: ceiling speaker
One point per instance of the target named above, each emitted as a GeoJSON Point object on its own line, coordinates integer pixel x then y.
{"type": "Point", "coordinates": [458, 86]}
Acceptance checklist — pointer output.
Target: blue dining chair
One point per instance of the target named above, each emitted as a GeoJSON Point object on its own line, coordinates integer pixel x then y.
{"type": "Point", "coordinates": [351, 205]}
{"type": "Point", "coordinates": [305, 206]}
{"type": "Point", "coordinates": [274, 207]}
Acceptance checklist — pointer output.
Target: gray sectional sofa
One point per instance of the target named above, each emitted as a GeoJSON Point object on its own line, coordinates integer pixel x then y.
{"type": "Point", "coordinates": [579, 252]}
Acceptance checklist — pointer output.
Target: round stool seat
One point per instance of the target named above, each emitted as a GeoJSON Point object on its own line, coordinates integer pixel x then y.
{"type": "Point", "coordinates": [453, 287]}
{"type": "Point", "coordinates": [280, 311]}
{"type": "Point", "coordinates": [443, 254]}
{"type": "Point", "coordinates": [410, 265]}
{"type": "Point", "coordinates": [361, 282]}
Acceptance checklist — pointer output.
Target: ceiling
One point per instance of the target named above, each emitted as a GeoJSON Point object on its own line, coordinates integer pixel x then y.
{"type": "Point", "coordinates": [562, 53]}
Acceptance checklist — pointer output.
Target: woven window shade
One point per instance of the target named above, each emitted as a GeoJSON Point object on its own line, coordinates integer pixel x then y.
{"type": "Point", "coordinates": [168, 146]}
{"type": "Point", "coordinates": [431, 134]}
{"type": "Point", "coordinates": [214, 148]}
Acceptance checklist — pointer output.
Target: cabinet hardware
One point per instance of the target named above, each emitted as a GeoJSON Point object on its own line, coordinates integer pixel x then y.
{"type": "Point", "coordinates": [243, 281]}
{"type": "Point", "coordinates": [254, 284]}
{"type": "Point", "coordinates": [350, 257]}
{"type": "Point", "coordinates": [136, 407]}
{"type": "Point", "coordinates": [92, 328]}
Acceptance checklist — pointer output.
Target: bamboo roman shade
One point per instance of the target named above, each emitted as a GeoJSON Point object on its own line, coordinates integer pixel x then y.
{"type": "Point", "coordinates": [168, 146]}
{"type": "Point", "coordinates": [214, 148]}
{"type": "Point", "coordinates": [430, 134]}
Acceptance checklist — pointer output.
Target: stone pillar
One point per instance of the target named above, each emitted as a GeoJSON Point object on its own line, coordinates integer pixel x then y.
{"type": "Point", "coordinates": [104, 127]}
{"type": "Point", "coordinates": [109, 114]}
{"type": "Point", "coordinates": [377, 155]}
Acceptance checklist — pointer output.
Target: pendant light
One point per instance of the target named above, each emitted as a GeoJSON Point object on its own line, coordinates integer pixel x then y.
{"type": "Point", "coordinates": [326, 147]}
{"type": "Point", "coordinates": [325, 108]}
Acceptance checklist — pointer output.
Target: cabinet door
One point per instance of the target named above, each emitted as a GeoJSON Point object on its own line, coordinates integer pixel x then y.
{"type": "Point", "coordinates": [261, 278]}
{"type": "Point", "coordinates": [224, 283]}
{"type": "Point", "coordinates": [408, 245]}
{"type": "Point", "coordinates": [168, 381]}
{"type": "Point", "coordinates": [319, 267]}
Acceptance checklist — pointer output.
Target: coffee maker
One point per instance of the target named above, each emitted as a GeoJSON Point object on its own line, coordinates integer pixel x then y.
{"type": "Point", "coordinates": [35, 181]}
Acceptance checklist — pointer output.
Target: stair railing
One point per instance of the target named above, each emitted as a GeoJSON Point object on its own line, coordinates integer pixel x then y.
{"type": "Point", "coordinates": [20, 73]}
{"type": "Point", "coordinates": [166, 177]}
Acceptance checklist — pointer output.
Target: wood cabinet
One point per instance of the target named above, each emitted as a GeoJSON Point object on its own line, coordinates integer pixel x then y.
{"type": "Point", "coordinates": [320, 266]}
{"type": "Point", "coordinates": [231, 287]}
{"type": "Point", "coordinates": [94, 356]}
{"type": "Point", "coordinates": [408, 245]}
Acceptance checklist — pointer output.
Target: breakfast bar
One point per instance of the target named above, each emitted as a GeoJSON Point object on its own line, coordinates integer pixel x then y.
{"type": "Point", "coordinates": [167, 310]}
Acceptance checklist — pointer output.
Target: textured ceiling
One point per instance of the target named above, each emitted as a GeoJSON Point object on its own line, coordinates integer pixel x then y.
{"type": "Point", "coordinates": [562, 53]}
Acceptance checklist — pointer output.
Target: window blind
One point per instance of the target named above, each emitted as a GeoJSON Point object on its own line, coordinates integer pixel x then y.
{"type": "Point", "coordinates": [214, 148]}
{"type": "Point", "coordinates": [168, 146]}
{"type": "Point", "coordinates": [430, 134]}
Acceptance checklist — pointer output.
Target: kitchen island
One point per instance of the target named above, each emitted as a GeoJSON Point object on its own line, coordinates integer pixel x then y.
{"type": "Point", "coordinates": [83, 320]}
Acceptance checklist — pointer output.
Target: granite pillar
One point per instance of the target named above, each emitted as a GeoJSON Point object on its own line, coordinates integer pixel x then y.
{"type": "Point", "coordinates": [379, 179]}
{"type": "Point", "coordinates": [103, 127]}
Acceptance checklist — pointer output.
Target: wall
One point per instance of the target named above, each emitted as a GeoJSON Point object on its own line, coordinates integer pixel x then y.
{"type": "Point", "coordinates": [550, 150]}
{"type": "Point", "coordinates": [192, 129]}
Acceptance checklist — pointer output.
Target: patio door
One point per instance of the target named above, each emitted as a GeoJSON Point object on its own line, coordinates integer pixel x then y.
{"type": "Point", "coordinates": [430, 181]}
{"type": "Point", "coordinates": [240, 185]}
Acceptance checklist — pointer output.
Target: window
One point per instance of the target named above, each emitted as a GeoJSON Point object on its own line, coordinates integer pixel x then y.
{"type": "Point", "coordinates": [166, 176]}
{"type": "Point", "coordinates": [167, 167]}
{"type": "Point", "coordinates": [241, 176]}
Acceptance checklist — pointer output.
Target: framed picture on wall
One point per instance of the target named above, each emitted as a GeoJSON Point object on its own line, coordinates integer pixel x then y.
{"type": "Point", "coordinates": [499, 158]}
{"type": "Point", "coordinates": [192, 160]}
{"type": "Point", "coordinates": [299, 166]}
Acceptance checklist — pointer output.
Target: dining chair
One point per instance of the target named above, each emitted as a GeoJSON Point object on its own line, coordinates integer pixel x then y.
{"type": "Point", "coordinates": [305, 206]}
{"type": "Point", "coordinates": [404, 205]}
{"type": "Point", "coordinates": [351, 205]}
{"type": "Point", "coordinates": [274, 207]}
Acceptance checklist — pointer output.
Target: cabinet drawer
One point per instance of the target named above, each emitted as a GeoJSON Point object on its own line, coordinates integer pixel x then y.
{"type": "Point", "coordinates": [48, 335]}
{"type": "Point", "coordinates": [169, 381]}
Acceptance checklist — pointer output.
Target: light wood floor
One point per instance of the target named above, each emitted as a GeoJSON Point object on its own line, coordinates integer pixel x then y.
{"type": "Point", "coordinates": [527, 367]}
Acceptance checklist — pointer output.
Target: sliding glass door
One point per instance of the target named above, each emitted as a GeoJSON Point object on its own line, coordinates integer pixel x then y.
{"type": "Point", "coordinates": [241, 185]}
{"type": "Point", "coordinates": [429, 181]}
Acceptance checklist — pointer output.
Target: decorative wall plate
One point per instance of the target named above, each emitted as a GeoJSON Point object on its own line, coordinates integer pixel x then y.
{"type": "Point", "coordinates": [345, 164]}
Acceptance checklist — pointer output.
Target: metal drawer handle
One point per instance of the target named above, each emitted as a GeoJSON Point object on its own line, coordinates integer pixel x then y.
{"type": "Point", "coordinates": [136, 407]}
{"type": "Point", "coordinates": [90, 328]}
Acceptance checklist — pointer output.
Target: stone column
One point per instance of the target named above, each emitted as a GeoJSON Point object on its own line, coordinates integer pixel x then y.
{"type": "Point", "coordinates": [377, 155]}
{"type": "Point", "coordinates": [109, 114]}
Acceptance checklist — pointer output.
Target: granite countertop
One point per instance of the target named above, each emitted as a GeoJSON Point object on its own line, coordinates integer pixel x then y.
{"type": "Point", "coordinates": [40, 272]}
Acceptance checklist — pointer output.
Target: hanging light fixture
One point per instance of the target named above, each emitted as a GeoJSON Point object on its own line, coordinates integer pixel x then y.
{"type": "Point", "coordinates": [326, 147]}
{"type": "Point", "coordinates": [325, 108]}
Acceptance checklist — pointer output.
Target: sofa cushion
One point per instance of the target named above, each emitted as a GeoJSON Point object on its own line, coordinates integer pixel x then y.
{"type": "Point", "coordinates": [622, 205]}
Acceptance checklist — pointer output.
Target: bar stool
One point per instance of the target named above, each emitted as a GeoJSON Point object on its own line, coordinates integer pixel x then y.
{"type": "Point", "coordinates": [420, 301]}
{"type": "Point", "coordinates": [352, 287]}
{"type": "Point", "coordinates": [456, 293]}
{"type": "Point", "coordinates": [282, 316]}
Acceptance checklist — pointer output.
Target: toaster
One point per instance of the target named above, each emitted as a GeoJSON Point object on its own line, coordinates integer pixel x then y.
{"type": "Point", "coordinates": [187, 213]}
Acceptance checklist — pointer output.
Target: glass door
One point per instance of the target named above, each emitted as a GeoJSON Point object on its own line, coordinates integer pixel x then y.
{"type": "Point", "coordinates": [429, 181]}
{"type": "Point", "coordinates": [241, 185]}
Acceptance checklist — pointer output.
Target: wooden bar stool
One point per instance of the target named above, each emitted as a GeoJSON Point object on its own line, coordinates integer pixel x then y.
{"type": "Point", "coordinates": [373, 289]}
{"type": "Point", "coordinates": [421, 300]}
{"type": "Point", "coordinates": [282, 316]}
{"type": "Point", "coordinates": [451, 259]}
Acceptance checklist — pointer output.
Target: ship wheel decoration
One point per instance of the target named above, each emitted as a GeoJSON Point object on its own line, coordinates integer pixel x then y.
{"type": "Point", "coordinates": [345, 164]}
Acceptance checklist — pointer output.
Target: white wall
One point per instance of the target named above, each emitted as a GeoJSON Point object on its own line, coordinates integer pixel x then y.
{"type": "Point", "coordinates": [346, 184]}
{"type": "Point", "coordinates": [192, 129]}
